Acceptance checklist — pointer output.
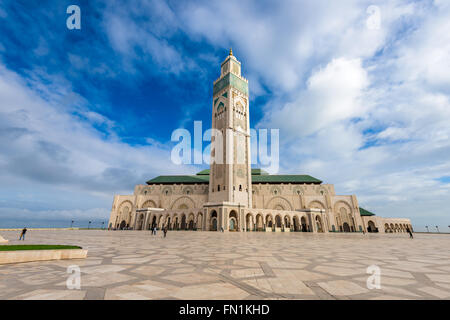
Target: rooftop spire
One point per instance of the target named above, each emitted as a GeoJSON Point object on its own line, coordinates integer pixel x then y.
{"type": "Point", "coordinates": [231, 52]}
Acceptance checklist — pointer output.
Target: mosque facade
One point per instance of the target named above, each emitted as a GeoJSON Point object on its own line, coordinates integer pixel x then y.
{"type": "Point", "coordinates": [231, 196]}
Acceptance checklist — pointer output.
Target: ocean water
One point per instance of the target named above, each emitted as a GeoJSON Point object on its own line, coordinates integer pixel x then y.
{"type": "Point", "coordinates": [30, 223]}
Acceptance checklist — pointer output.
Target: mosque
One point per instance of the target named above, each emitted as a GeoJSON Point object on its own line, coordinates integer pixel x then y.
{"type": "Point", "coordinates": [232, 196]}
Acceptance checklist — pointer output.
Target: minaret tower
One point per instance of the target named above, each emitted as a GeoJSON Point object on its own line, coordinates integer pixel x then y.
{"type": "Point", "coordinates": [230, 175]}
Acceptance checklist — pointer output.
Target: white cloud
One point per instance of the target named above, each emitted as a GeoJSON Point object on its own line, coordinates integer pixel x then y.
{"type": "Point", "coordinates": [53, 149]}
{"type": "Point", "coordinates": [332, 95]}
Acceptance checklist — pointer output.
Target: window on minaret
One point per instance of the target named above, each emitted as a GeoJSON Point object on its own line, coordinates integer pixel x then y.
{"type": "Point", "coordinates": [218, 187]}
{"type": "Point", "coordinates": [240, 187]}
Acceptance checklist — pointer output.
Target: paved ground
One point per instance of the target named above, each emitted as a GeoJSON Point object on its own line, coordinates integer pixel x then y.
{"type": "Point", "coordinates": [210, 265]}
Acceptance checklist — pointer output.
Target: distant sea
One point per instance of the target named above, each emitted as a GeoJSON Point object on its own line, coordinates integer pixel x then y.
{"type": "Point", "coordinates": [12, 224]}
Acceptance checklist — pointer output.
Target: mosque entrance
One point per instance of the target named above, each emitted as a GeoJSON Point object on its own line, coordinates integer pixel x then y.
{"type": "Point", "coordinates": [233, 225]}
{"type": "Point", "coordinates": [304, 226]}
{"type": "Point", "coordinates": [213, 221]}
{"type": "Point", "coordinates": [346, 227]}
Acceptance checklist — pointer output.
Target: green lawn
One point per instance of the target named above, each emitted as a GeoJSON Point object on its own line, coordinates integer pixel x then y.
{"type": "Point", "coordinates": [36, 247]}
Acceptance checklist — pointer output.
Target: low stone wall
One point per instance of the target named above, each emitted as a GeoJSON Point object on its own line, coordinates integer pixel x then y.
{"type": "Point", "coordinates": [40, 255]}
{"type": "Point", "coordinates": [3, 240]}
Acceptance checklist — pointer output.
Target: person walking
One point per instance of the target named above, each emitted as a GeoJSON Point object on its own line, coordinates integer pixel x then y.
{"type": "Point", "coordinates": [165, 231]}
{"type": "Point", "coordinates": [154, 230]}
{"type": "Point", "coordinates": [22, 234]}
{"type": "Point", "coordinates": [410, 233]}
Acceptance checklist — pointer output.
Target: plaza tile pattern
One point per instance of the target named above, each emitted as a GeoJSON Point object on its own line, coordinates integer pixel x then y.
{"type": "Point", "coordinates": [211, 265]}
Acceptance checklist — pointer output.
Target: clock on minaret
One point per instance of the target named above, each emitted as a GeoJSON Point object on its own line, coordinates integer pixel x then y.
{"type": "Point", "coordinates": [230, 169]}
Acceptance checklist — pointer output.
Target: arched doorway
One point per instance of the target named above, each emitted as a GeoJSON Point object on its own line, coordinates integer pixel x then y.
{"type": "Point", "coordinates": [346, 227]}
{"type": "Point", "coordinates": [304, 225]}
{"type": "Point", "coordinates": [190, 223]}
{"type": "Point", "coordinates": [233, 221]}
{"type": "Point", "coordinates": [287, 222]}
{"type": "Point", "coordinates": [269, 222]}
{"type": "Point", "coordinates": [278, 221]}
{"type": "Point", "coordinates": [371, 226]}
{"type": "Point", "coordinates": [122, 225]}
{"type": "Point", "coordinates": [259, 223]}
{"type": "Point", "coordinates": [183, 222]}
{"type": "Point", "coordinates": [213, 221]}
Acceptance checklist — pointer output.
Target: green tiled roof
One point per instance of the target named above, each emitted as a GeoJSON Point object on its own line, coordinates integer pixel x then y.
{"type": "Point", "coordinates": [364, 212]}
{"type": "Point", "coordinates": [254, 172]}
{"type": "Point", "coordinates": [258, 176]}
{"type": "Point", "coordinates": [285, 178]}
{"type": "Point", "coordinates": [259, 172]}
{"type": "Point", "coordinates": [179, 179]}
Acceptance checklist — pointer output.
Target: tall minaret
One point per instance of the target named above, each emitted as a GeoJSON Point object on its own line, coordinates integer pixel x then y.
{"type": "Point", "coordinates": [230, 179]}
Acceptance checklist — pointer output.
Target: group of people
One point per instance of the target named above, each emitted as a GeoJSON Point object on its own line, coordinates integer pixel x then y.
{"type": "Point", "coordinates": [164, 229]}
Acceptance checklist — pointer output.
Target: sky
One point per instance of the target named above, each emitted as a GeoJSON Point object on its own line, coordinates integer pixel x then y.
{"type": "Point", "coordinates": [360, 91]}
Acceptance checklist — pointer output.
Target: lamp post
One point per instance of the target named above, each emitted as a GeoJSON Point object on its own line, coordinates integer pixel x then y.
{"type": "Point", "coordinates": [103, 224]}
{"type": "Point", "coordinates": [71, 224]}
{"type": "Point", "coordinates": [89, 225]}
{"type": "Point", "coordinates": [427, 228]}
{"type": "Point", "coordinates": [437, 228]}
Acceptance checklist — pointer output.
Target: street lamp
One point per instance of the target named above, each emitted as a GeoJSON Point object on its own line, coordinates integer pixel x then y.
{"type": "Point", "coordinates": [71, 225]}
{"type": "Point", "coordinates": [89, 225]}
{"type": "Point", "coordinates": [437, 228]}
{"type": "Point", "coordinates": [103, 224]}
{"type": "Point", "coordinates": [427, 228]}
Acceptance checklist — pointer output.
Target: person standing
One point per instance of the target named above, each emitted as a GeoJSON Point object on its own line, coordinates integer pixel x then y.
{"type": "Point", "coordinates": [165, 231]}
{"type": "Point", "coordinates": [22, 235]}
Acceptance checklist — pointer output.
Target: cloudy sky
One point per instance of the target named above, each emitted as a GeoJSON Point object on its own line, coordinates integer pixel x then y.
{"type": "Point", "coordinates": [359, 90]}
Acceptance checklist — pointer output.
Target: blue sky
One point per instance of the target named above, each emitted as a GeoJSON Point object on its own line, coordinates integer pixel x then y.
{"type": "Point", "coordinates": [86, 114]}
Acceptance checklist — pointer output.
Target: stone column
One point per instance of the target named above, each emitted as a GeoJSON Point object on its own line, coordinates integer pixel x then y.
{"type": "Point", "coordinates": [144, 223]}
{"type": "Point", "coordinates": [312, 222]}
{"type": "Point", "coordinates": [205, 224]}
{"type": "Point", "coordinates": [135, 221]}
{"type": "Point", "coordinates": [224, 218]}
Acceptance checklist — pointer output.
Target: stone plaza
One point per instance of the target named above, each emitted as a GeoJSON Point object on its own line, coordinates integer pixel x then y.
{"type": "Point", "coordinates": [233, 265]}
